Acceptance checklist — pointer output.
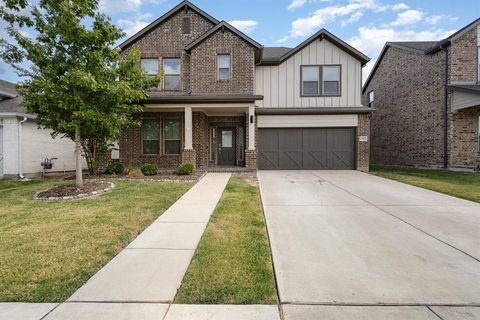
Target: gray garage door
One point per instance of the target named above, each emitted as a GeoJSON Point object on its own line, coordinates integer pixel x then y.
{"type": "Point", "coordinates": [306, 148]}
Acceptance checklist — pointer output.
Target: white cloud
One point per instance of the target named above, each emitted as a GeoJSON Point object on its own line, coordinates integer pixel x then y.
{"type": "Point", "coordinates": [408, 17]}
{"type": "Point", "coordinates": [305, 26]}
{"type": "Point", "coordinates": [111, 7]}
{"type": "Point", "coordinates": [400, 6]}
{"type": "Point", "coordinates": [353, 18]}
{"type": "Point", "coordinates": [130, 27]}
{"type": "Point", "coordinates": [246, 26]}
{"type": "Point", "coordinates": [296, 4]}
{"type": "Point", "coordinates": [434, 19]}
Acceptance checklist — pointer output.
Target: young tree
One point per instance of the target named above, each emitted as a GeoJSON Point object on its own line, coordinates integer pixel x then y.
{"type": "Point", "coordinates": [78, 85]}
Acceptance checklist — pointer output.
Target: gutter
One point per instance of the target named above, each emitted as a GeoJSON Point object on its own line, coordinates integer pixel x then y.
{"type": "Point", "coordinates": [20, 153]}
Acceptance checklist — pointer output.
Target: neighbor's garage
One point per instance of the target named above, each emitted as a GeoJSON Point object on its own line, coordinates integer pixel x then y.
{"type": "Point", "coordinates": [325, 142]}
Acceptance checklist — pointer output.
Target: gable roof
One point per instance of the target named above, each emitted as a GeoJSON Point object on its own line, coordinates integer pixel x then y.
{"type": "Point", "coordinates": [322, 34]}
{"type": "Point", "coordinates": [420, 47]}
{"type": "Point", "coordinates": [7, 89]}
{"type": "Point", "coordinates": [222, 25]}
{"type": "Point", "coordinates": [182, 5]}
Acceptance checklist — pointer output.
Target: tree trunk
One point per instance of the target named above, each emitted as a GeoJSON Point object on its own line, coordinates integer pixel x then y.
{"type": "Point", "coordinates": [78, 157]}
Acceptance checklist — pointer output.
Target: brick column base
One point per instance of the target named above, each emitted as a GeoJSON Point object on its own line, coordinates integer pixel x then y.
{"type": "Point", "coordinates": [189, 156]}
{"type": "Point", "coordinates": [363, 147]}
{"type": "Point", "coordinates": [251, 159]}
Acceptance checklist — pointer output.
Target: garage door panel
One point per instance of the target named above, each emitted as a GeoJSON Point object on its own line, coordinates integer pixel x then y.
{"type": "Point", "coordinates": [306, 148]}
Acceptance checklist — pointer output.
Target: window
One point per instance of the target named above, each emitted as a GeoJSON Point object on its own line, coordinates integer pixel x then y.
{"type": "Point", "coordinates": [371, 98]}
{"type": "Point", "coordinates": [227, 139]}
{"type": "Point", "coordinates": [150, 66]}
{"type": "Point", "coordinates": [171, 74]}
{"type": "Point", "coordinates": [241, 139]}
{"type": "Point", "coordinates": [186, 26]}
{"type": "Point", "coordinates": [213, 143]}
{"type": "Point", "coordinates": [331, 80]}
{"type": "Point", "coordinates": [171, 128]}
{"type": "Point", "coordinates": [223, 63]}
{"type": "Point", "coordinates": [319, 81]}
{"type": "Point", "coordinates": [151, 136]}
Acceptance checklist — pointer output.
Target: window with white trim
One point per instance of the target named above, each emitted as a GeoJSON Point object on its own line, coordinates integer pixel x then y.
{"type": "Point", "coordinates": [223, 65]}
{"type": "Point", "coordinates": [171, 74]}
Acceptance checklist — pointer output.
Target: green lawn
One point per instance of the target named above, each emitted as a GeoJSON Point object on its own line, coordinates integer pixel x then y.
{"type": "Point", "coordinates": [49, 249]}
{"type": "Point", "coordinates": [232, 264]}
{"type": "Point", "coordinates": [465, 185]}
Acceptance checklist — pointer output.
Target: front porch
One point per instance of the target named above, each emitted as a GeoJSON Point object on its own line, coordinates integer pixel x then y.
{"type": "Point", "coordinates": [213, 137]}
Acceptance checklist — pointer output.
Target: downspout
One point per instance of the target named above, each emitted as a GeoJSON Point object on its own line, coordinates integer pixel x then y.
{"type": "Point", "coordinates": [445, 135]}
{"type": "Point", "coordinates": [20, 153]}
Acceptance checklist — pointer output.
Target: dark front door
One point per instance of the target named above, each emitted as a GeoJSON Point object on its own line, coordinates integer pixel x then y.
{"type": "Point", "coordinates": [306, 148]}
{"type": "Point", "coordinates": [226, 147]}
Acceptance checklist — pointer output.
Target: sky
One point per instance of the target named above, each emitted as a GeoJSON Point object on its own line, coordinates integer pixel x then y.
{"type": "Point", "coordinates": [364, 24]}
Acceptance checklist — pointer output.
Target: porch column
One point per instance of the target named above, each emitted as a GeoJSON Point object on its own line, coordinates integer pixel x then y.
{"type": "Point", "coordinates": [251, 128]}
{"type": "Point", "coordinates": [188, 128]}
{"type": "Point", "coordinates": [251, 153]}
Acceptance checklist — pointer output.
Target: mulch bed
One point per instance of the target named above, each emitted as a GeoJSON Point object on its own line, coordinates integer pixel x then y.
{"type": "Point", "coordinates": [70, 190]}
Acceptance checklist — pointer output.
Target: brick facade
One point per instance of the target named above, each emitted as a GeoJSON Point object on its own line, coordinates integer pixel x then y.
{"type": "Point", "coordinates": [204, 64]}
{"type": "Point", "coordinates": [462, 58]}
{"type": "Point", "coordinates": [363, 147]}
{"type": "Point", "coordinates": [407, 125]}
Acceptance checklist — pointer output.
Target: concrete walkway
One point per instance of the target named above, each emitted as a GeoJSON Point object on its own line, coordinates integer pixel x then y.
{"type": "Point", "coordinates": [152, 267]}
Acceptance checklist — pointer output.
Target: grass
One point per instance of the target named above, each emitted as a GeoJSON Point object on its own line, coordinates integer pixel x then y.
{"type": "Point", "coordinates": [232, 264]}
{"type": "Point", "coordinates": [49, 249]}
{"type": "Point", "coordinates": [463, 185]}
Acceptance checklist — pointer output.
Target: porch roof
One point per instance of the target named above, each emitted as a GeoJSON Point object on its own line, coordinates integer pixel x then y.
{"type": "Point", "coordinates": [161, 97]}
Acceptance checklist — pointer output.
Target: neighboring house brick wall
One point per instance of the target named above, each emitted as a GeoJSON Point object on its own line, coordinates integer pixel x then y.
{"type": "Point", "coordinates": [204, 64]}
{"type": "Point", "coordinates": [168, 41]}
{"type": "Point", "coordinates": [407, 125]}
{"type": "Point", "coordinates": [462, 59]}
{"type": "Point", "coordinates": [463, 138]}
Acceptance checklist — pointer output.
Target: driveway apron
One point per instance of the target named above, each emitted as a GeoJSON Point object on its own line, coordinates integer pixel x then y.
{"type": "Point", "coordinates": [350, 238]}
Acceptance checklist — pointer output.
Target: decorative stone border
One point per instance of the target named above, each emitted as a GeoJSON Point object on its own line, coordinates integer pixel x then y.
{"type": "Point", "coordinates": [163, 180]}
{"type": "Point", "coordinates": [110, 187]}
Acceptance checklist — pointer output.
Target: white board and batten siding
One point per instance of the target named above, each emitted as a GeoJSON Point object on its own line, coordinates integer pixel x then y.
{"type": "Point", "coordinates": [280, 84]}
{"type": "Point", "coordinates": [307, 121]}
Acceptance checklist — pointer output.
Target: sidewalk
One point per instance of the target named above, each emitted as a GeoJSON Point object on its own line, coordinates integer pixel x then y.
{"type": "Point", "coordinates": [151, 268]}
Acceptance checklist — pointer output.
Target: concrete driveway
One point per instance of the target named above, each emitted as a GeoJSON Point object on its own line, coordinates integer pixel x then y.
{"type": "Point", "coordinates": [350, 238]}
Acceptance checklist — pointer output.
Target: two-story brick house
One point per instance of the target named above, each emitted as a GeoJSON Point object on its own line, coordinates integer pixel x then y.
{"type": "Point", "coordinates": [225, 100]}
{"type": "Point", "coordinates": [426, 97]}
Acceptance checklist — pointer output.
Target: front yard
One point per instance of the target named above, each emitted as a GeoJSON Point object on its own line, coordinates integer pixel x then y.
{"type": "Point", "coordinates": [49, 249]}
{"type": "Point", "coordinates": [465, 185]}
{"type": "Point", "coordinates": [232, 264]}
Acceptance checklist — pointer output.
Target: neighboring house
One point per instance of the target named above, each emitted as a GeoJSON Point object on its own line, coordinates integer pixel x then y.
{"type": "Point", "coordinates": [426, 97]}
{"type": "Point", "coordinates": [22, 145]}
{"type": "Point", "coordinates": [225, 100]}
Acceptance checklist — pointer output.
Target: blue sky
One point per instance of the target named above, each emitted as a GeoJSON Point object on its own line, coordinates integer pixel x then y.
{"type": "Point", "coordinates": [365, 24]}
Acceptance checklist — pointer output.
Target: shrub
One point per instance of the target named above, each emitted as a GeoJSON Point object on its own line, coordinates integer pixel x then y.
{"type": "Point", "coordinates": [115, 168]}
{"type": "Point", "coordinates": [133, 172]}
{"type": "Point", "coordinates": [149, 169]}
{"type": "Point", "coordinates": [186, 169]}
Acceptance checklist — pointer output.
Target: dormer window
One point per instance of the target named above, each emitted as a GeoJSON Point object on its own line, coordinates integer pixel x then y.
{"type": "Point", "coordinates": [223, 64]}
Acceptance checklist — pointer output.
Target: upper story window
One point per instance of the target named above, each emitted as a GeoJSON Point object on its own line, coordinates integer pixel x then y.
{"type": "Point", "coordinates": [171, 74]}
{"type": "Point", "coordinates": [371, 98]}
{"type": "Point", "coordinates": [186, 26]}
{"type": "Point", "coordinates": [150, 66]}
{"type": "Point", "coordinates": [319, 81]}
{"type": "Point", "coordinates": [223, 65]}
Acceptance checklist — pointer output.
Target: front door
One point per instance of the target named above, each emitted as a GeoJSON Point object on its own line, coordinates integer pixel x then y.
{"type": "Point", "coordinates": [226, 147]}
